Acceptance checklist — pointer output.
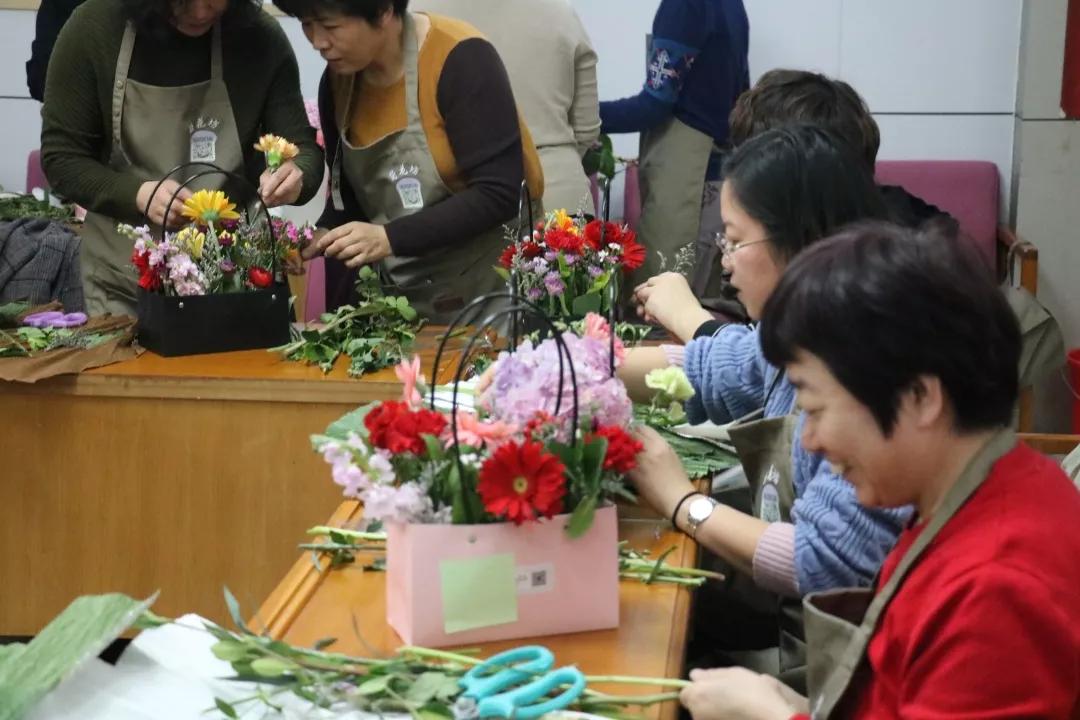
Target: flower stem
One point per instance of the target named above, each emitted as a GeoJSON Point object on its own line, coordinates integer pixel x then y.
{"type": "Point", "coordinates": [631, 680]}
{"type": "Point", "coordinates": [354, 534]}
{"type": "Point", "coordinates": [627, 699]}
{"type": "Point", "coordinates": [439, 655]}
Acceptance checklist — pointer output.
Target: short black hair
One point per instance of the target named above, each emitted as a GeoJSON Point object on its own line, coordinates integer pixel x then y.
{"type": "Point", "coordinates": [369, 10]}
{"type": "Point", "coordinates": [881, 305]}
{"type": "Point", "coordinates": [155, 16]}
{"type": "Point", "coordinates": [783, 96]}
{"type": "Point", "coordinates": [802, 183]}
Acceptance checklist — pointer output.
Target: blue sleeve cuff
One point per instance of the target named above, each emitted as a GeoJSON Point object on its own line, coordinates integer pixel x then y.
{"type": "Point", "coordinates": [668, 65]}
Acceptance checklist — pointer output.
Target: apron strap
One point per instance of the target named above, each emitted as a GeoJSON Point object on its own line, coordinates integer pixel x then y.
{"type": "Point", "coordinates": [412, 74]}
{"type": "Point", "coordinates": [973, 476]}
{"type": "Point", "coordinates": [123, 65]}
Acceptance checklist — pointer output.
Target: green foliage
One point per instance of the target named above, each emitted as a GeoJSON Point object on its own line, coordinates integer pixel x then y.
{"type": "Point", "coordinates": [600, 158]}
{"type": "Point", "coordinates": [16, 207]}
{"type": "Point", "coordinates": [377, 333]}
{"type": "Point", "coordinates": [700, 458]}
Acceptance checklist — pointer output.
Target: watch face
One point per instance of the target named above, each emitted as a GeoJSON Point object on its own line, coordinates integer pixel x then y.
{"type": "Point", "coordinates": [700, 508]}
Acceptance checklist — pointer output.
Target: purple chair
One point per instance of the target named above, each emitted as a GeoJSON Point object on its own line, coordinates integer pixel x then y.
{"type": "Point", "coordinates": [966, 189]}
{"type": "Point", "coordinates": [35, 176]}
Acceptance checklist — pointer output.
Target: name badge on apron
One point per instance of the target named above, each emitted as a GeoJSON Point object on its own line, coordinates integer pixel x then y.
{"type": "Point", "coordinates": [406, 181]}
{"type": "Point", "coordinates": [770, 496]}
{"type": "Point", "coordinates": [204, 141]}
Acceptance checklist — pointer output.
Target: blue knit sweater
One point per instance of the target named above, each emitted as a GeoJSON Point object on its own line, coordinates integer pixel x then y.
{"type": "Point", "coordinates": [838, 543]}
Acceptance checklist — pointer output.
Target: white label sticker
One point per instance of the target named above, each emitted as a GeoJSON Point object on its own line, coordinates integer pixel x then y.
{"type": "Point", "coordinates": [409, 190]}
{"type": "Point", "coordinates": [532, 579]}
{"type": "Point", "coordinates": [769, 511]}
{"type": "Point", "coordinates": [203, 146]}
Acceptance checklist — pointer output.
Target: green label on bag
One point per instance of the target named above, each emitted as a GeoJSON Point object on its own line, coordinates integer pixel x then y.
{"type": "Point", "coordinates": [478, 592]}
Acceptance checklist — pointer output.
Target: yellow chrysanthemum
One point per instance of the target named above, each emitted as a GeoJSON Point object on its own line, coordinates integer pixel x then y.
{"type": "Point", "coordinates": [209, 206]}
{"type": "Point", "coordinates": [277, 150]}
{"type": "Point", "coordinates": [191, 241]}
{"type": "Point", "coordinates": [563, 221]}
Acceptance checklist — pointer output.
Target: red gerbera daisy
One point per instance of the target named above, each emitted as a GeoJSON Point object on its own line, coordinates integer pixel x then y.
{"type": "Point", "coordinates": [507, 257]}
{"type": "Point", "coordinates": [564, 241]}
{"type": "Point", "coordinates": [622, 450]}
{"type": "Point", "coordinates": [633, 254]}
{"type": "Point", "coordinates": [612, 234]}
{"type": "Point", "coordinates": [521, 481]}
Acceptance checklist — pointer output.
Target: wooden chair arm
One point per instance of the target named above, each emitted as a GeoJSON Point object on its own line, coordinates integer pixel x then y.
{"type": "Point", "coordinates": [1049, 443]}
{"type": "Point", "coordinates": [1011, 248]}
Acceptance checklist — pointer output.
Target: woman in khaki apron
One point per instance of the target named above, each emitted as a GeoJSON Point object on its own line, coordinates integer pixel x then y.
{"type": "Point", "coordinates": [775, 550]}
{"type": "Point", "coordinates": [399, 175]}
{"type": "Point", "coordinates": [150, 128]}
{"type": "Point", "coordinates": [696, 67]}
{"type": "Point", "coordinates": [976, 612]}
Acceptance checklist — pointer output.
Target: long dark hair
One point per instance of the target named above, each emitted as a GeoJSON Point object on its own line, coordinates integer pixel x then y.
{"type": "Point", "coordinates": [802, 183]}
{"type": "Point", "coordinates": [156, 16]}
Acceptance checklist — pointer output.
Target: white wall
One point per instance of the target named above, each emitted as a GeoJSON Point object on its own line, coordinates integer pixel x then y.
{"type": "Point", "coordinates": [940, 75]}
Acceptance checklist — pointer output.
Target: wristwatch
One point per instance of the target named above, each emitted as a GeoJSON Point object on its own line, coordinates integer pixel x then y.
{"type": "Point", "coordinates": [697, 512]}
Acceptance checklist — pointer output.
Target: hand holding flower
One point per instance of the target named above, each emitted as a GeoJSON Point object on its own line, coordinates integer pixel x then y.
{"type": "Point", "coordinates": [659, 476]}
{"type": "Point", "coordinates": [739, 694]}
{"type": "Point", "coordinates": [281, 186]}
{"type": "Point", "coordinates": [355, 243]}
{"type": "Point", "coordinates": [668, 300]}
{"type": "Point", "coordinates": [277, 150]}
{"type": "Point", "coordinates": [161, 202]}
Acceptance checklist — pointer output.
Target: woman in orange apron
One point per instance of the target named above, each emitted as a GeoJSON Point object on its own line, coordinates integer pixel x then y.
{"type": "Point", "coordinates": [426, 152]}
{"type": "Point", "coordinates": [904, 354]}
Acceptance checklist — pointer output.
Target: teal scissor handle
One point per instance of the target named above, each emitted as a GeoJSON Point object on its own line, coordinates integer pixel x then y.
{"type": "Point", "coordinates": [515, 703]}
{"type": "Point", "coordinates": [507, 669]}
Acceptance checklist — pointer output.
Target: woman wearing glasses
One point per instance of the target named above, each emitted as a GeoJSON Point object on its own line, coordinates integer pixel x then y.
{"type": "Point", "coordinates": [783, 190]}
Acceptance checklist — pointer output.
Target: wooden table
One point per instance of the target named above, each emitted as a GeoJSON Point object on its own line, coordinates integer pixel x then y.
{"type": "Point", "coordinates": [176, 474]}
{"type": "Point", "coordinates": [313, 603]}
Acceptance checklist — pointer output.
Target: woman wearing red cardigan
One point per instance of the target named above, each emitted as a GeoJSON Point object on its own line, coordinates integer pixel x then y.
{"type": "Point", "coordinates": [904, 356]}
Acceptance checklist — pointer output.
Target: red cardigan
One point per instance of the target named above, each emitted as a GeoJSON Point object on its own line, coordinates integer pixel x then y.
{"type": "Point", "coordinates": [987, 624]}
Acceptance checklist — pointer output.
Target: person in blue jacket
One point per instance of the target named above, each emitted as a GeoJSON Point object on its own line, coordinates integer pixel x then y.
{"type": "Point", "coordinates": [783, 190]}
{"type": "Point", "coordinates": [696, 68]}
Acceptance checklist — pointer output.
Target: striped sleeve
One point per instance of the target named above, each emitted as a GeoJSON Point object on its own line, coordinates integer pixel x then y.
{"type": "Point", "coordinates": [728, 374]}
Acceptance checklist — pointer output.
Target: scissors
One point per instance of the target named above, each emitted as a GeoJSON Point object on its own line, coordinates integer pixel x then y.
{"type": "Point", "coordinates": [504, 685]}
{"type": "Point", "coordinates": [55, 319]}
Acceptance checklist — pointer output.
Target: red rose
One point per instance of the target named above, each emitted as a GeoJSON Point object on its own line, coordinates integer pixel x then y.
{"type": "Point", "coordinates": [563, 241]}
{"type": "Point", "coordinates": [531, 249]}
{"type": "Point", "coordinates": [622, 450]}
{"type": "Point", "coordinates": [612, 234]}
{"type": "Point", "coordinates": [259, 277]}
{"type": "Point", "coordinates": [392, 426]}
{"type": "Point", "coordinates": [519, 482]}
{"type": "Point", "coordinates": [150, 280]}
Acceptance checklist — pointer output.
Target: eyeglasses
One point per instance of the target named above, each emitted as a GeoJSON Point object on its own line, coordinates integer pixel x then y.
{"type": "Point", "coordinates": [727, 249]}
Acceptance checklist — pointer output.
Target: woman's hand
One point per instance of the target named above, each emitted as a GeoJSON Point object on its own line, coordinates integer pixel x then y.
{"type": "Point", "coordinates": [160, 202]}
{"type": "Point", "coordinates": [281, 186]}
{"type": "Point", "coordinates": [668, 300]}
{"type": "Point", "coordinates": [354, 243]}
{"type": "Point", "coordinates": [659, 476]}
{"type": "Point", "coordinates": [739, 694]}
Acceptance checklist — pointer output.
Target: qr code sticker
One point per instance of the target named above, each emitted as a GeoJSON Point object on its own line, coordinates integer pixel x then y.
{"type": "Point", "coordinates": [534, 579]}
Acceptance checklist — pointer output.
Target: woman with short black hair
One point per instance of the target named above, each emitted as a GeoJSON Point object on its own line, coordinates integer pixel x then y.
{"type": "Point", "coordinates": [904, 356]}
{"type": "Point", "coordinates": [137, 87]}
{"type": "Point", "coordinates": [426, 150]}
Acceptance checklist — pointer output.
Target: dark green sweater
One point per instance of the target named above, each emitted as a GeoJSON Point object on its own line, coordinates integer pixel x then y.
{"type": "Point", "coordinates": [260, 73]}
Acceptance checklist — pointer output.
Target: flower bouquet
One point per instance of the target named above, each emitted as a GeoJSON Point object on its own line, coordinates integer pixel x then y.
{"type": "Point", "coordinates": [217, 283]}
{"type": "Point", "coordinates": [570, 267]}
{"type": "Point", "coordinates": [499, 521]}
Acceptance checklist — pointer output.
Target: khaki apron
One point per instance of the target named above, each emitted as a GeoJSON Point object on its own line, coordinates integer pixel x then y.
{"type": "Point", "coordinates": [396, 176]}
{"type": "Point", "coordinates": [764, 448]}
{"type": "Point", "coordinates": [840, 623]}
{"type": "Point", "coordinates": [154, 130]}
{"type": "Point", "coordinates": [674, 160]}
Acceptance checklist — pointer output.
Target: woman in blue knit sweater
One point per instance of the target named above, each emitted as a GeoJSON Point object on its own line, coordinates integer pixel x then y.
{"type": "Point", "coordinates": [783, 190]}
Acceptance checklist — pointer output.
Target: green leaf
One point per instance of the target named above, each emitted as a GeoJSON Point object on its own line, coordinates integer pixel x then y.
{"type": "Point", "coordinates": [229, 650]}
{"type": "Point", "coordinates": [434, 447]}
{"type": "Point", "coordinates": [351, 422]}
{"type": "Point", "coordinates": [592, 464]}
{"type": "Point", "coordinates": [271, 666]}
{"type": "Point", "coordinates": [582, 517]}
{"type": "Point", "coordinates": [324, 643]}
{"type": "Point", "coordinates": [426, 687]}
{"type": "Point", "coordinates": [149, 620]}
{"type": "Point", "coordinates": [375, 685]}
{"type": "Point", "coordinates": [586, 303]}
{"type": "Point", "coordinates": [503, 272]}
{"type": "Point", "coordinates": [226, 709]}
{"type": "Point", "coordinates": [234, 611]}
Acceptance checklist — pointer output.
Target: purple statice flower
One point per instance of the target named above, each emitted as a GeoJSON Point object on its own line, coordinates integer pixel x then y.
{"type": "Point", "coordinates": [533, 294]}
{"type": "Point", "coordinates": [405, 503]}
{"type": "Point", "coordinates": [537, 265]}
{"type": "Point", "coordinates": [595, 271]}
{"type": "Point", "coordinates": [570, 258]}
{"type": "Point", "coordinates": [227, 266]}
{"type": "Point", "coordinates": [551, 255]}
{"type": "Point", "coordinates": [554, 284]}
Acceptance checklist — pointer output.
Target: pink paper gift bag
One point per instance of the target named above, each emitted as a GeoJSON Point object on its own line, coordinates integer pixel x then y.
{"type": "Point", "coordinates": [461, 584]}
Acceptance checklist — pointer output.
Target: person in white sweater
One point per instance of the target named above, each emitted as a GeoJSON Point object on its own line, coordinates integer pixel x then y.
{"type": "Point", "coordinates": [552, 68]}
